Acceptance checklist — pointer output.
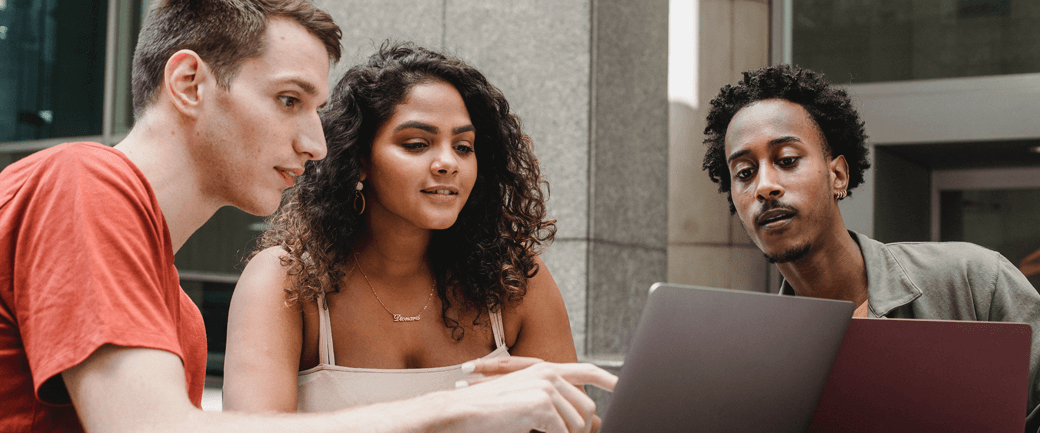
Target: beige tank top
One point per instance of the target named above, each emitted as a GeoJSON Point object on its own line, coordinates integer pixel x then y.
{"type": "Point", "coordinates": [328, 387]}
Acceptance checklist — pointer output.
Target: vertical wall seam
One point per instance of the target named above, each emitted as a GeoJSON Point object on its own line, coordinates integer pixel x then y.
{"type": "Point", "coordinates": [590, 175]}
{"type": "Point", "coordinates": [108, 102]}
{"type": "Point", "coordinates": [732, 69]}
{"type": "Point", "coordinates": [732, 41]}
{"type": "Point", "coordinates": [444, 25]}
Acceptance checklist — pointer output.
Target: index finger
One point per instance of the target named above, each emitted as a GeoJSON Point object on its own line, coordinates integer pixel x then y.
{"type": "Point", "coordinates": [586, 374]}
{"type": "Point", "coordinates": [574, 373]}
{"type": "Point", "coordinates": [502, 365]}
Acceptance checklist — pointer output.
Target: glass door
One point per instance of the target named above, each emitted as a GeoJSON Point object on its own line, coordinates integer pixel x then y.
{"type": "Point", "coordinates": [52, 73]}
{"type": "Point", "coordinates": [998, 209]}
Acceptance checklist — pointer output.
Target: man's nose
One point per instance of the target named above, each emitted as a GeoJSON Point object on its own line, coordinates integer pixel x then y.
{"type": "Point", "coordinates": [311, 141]}
{"type": "Point", "coordinates": [769, 187]}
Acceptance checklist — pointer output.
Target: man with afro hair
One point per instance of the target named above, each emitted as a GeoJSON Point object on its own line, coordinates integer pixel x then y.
{"type": "Point", "coordinates": [786, 146]}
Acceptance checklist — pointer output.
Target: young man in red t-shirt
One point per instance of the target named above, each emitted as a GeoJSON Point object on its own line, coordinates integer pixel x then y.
{"type": "Point", "coordinates": [226, 94]}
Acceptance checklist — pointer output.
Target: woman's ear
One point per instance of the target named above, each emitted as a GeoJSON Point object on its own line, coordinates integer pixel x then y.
{"type": "Point", "coordinates": [184, 76]}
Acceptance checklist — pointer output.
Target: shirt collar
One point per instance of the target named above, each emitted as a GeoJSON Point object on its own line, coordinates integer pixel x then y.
{"type": "Point", "coordinates": [888, 285]}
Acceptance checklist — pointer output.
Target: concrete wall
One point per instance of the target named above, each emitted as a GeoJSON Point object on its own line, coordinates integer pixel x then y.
{"type": "Point", "coordinates": [706, 245]}
{"type": "Point", "coordinates": [589, 80]}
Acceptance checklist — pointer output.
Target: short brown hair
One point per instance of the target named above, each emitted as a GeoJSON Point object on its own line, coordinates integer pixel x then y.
{"type": "Point", "coordinates": [221, 32]}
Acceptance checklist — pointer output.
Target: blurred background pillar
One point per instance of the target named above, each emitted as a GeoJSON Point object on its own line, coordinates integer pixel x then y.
{"type": "Point", "coordinates": [706, 245]}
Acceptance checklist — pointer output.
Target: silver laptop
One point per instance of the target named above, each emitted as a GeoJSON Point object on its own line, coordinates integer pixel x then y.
{"type": "Point", "coordinates": [716, 360]}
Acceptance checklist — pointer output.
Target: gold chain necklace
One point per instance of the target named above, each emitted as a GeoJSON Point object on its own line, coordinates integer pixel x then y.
{"type": "Point", "coordinates": [397, 317]}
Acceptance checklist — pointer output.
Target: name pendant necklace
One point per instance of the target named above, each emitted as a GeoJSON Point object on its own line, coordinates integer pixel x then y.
{"type": "Point", "coordinates": [397, 317]}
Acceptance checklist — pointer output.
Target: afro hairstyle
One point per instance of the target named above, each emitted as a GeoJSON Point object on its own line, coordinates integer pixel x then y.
{"type": "Point", "coordinates": [829, 106]}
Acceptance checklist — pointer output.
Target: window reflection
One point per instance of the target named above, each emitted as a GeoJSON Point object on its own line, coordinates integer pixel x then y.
{"type": "Point", "coordinates": [863, 41]}
{"type": "Point", "coordinates": [1003, 220]}
{"type": "Point", "coordinates": [52, 76]}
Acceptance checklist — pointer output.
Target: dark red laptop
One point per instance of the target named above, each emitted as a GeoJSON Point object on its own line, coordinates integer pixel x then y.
{"type": "Point", "coordinates": [895, 375]}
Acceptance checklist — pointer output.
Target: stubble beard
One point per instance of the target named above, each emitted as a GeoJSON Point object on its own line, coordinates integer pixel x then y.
{"type": "Point", "coordinates": [789, 255]}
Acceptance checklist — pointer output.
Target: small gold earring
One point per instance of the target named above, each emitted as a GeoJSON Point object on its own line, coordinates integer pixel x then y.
{"type": "Point", "coordinates": [358, 195]}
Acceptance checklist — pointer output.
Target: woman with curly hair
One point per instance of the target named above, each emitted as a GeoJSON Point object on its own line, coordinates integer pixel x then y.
{"type": "Point", "coordinates": [409, 250]}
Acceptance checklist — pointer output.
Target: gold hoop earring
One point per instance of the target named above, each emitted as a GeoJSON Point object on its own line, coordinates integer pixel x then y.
{"type": "Point", "coordinates": [840, 194]}
{"type": "Point", "coordinates": [359, 195]}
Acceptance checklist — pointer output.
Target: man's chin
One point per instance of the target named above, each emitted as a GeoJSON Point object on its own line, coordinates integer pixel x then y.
{"type": "Point", "coordinates": [789, 255]}
{"type": "Point", "coordinates": [267, 211]}
{"type": "Point", "coordinates": [263, 208]}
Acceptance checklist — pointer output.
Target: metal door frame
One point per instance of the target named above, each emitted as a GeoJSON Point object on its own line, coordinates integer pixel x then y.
{"type": "Point", "coordinates": [978, 179]}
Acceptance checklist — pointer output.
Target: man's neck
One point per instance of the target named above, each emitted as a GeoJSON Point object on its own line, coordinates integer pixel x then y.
{"type": "Point", "coordinates": [834, 269]}
{"type": "Point", "coordinates": [159, 149]}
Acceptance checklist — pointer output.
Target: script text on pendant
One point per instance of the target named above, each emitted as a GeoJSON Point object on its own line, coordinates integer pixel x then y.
{"type": "Point", "coordinates": [398, 318]}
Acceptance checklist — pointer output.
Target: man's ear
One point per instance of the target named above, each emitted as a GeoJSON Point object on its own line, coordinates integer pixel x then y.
{"type": "Point", "coordinates": [183, 78]}
{"type": "Point", "coordinates": [839, 169]}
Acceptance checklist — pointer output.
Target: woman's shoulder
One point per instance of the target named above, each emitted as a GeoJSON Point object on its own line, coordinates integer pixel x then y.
{"type": "Point", "coordinates": [270, 256]}
{"type": "Point", "coordinates": [536, 287]}
{"type": "Point", "coordinates": [267, 270]}
{"type": "Point", "coordinates": [539, 323]}
{"type": "Point", "coordinates": [541, 297]}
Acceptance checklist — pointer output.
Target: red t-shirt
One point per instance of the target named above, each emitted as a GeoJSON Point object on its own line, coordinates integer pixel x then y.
{"type": "Point", "coordinates": [85, 260]}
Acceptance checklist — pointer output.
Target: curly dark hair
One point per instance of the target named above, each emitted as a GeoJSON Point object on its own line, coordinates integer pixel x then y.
{"type": "Point", "coordinates": [830, 108]}
{"type": "Point", "coordinates": [485, 258]}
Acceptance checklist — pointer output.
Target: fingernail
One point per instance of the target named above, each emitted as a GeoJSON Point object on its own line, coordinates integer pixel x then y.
{"type": "Point", "coordinates": [468, 367]}
{"type": "Point", "coordinates": [461, 384]}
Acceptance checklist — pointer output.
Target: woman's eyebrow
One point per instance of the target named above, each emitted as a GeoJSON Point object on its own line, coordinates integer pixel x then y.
{"type": "Point", "coordinates": [460, 129]}
{"type": "Point", "coordinates": [417, 125]}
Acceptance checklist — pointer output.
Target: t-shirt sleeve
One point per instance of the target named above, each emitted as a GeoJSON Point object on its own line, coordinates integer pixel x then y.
{"type": "Point", "coordinates": [1015, 300]}
{"type": "Point", "coordinates": [89, 267]}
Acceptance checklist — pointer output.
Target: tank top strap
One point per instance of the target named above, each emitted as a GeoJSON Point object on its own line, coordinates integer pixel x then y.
{"type": "Point", "coordinates": [497, 328]}
{"type": "Point", "coordinates": [326, 354]}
